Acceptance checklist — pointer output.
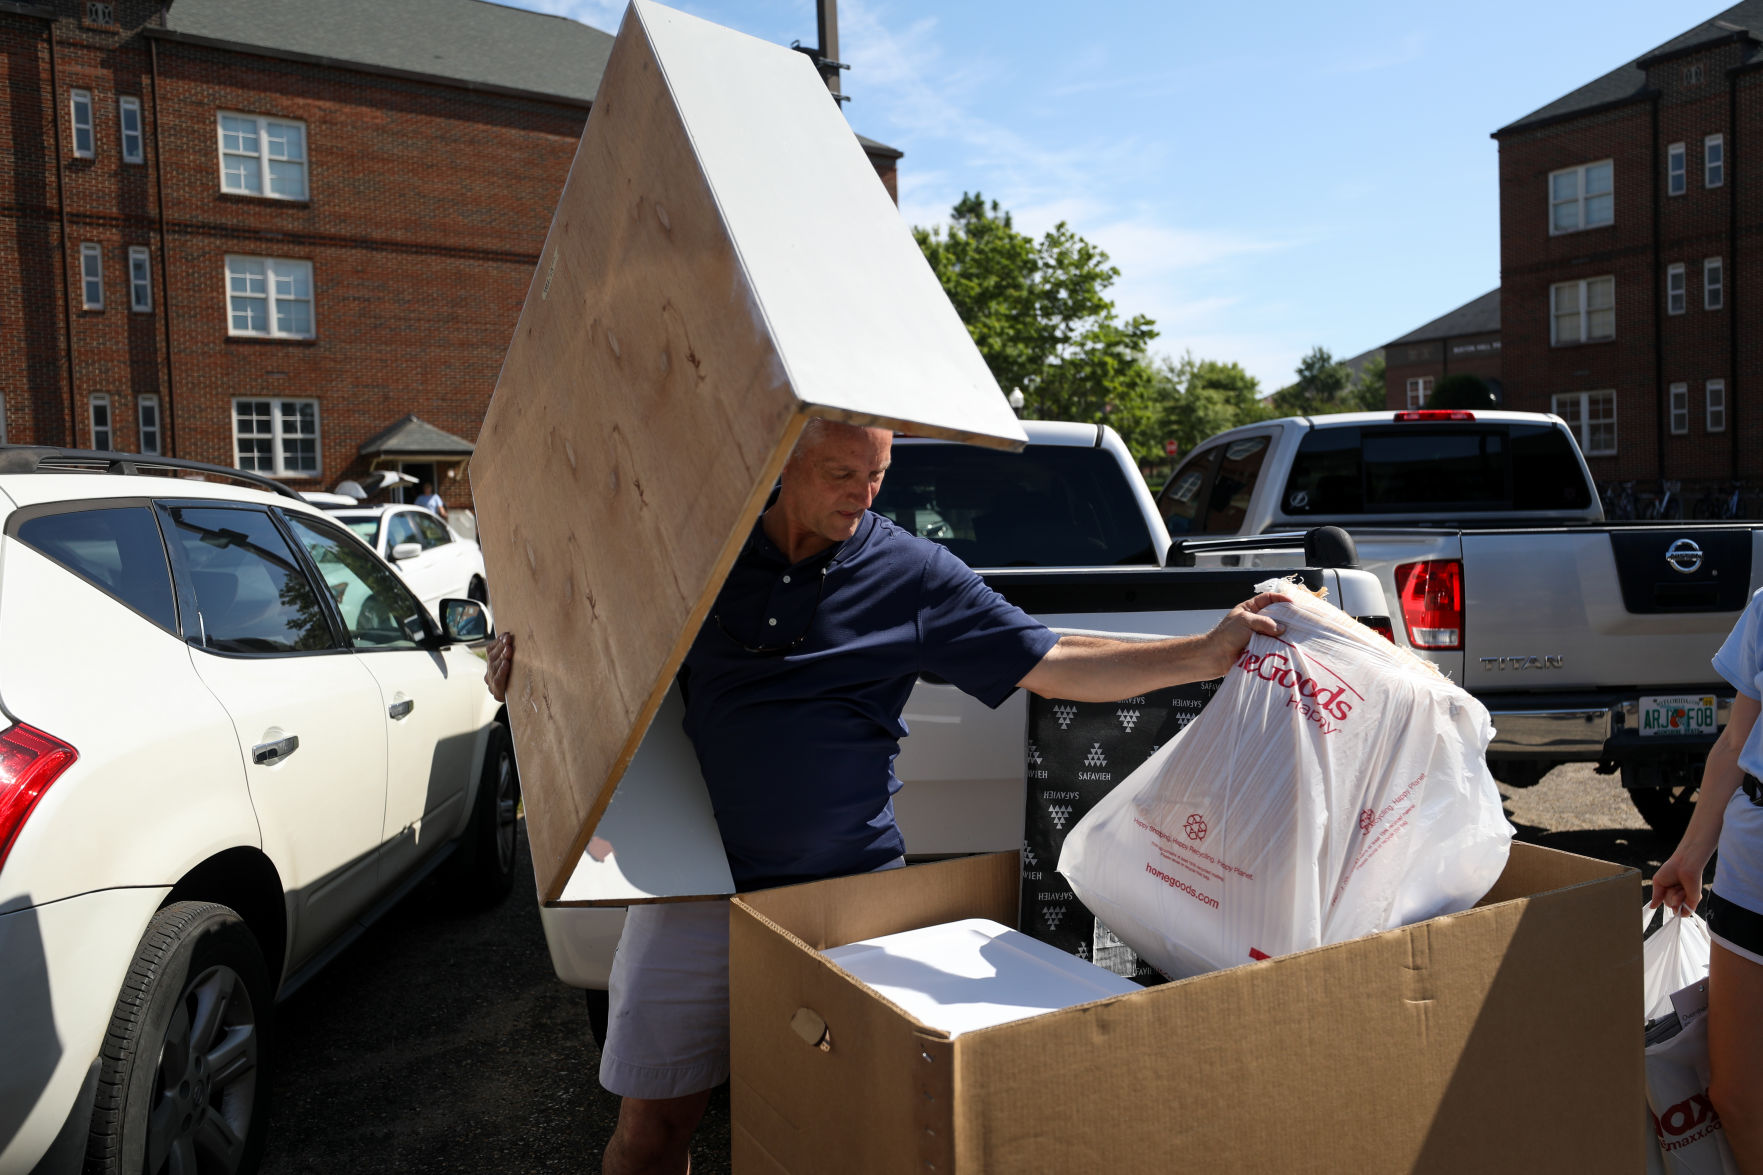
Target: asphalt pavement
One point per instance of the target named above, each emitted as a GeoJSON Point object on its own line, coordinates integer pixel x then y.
{"type": "Point", "coordinates": [442, 1042]}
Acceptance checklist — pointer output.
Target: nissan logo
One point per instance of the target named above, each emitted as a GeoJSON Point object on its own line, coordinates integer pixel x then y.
{"type": "Point", "coordinates": [1684, 555]}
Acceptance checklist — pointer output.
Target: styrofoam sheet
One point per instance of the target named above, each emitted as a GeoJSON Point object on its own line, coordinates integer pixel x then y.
{"type": "Point", "coordinates": [975, 973]}
{"type": "Point", "coordinates": [658, 838]}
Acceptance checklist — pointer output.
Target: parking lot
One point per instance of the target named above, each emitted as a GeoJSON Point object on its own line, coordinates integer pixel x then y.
{"type": "Point", "coordinates": [442, 1042]}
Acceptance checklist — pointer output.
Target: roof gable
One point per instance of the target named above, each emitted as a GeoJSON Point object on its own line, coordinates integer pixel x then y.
{"type": "Point", "coordinates": [1477, 316]}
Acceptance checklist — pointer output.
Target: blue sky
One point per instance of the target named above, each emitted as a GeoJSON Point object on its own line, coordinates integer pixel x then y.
{"type": "Point", "coordinates": [1266, 178]}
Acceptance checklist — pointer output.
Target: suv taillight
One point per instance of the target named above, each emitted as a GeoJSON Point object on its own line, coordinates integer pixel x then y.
{"type": "Point", "coordinates": [29, 762]}
{"type": "Point", "coordinates": [1431, 595]}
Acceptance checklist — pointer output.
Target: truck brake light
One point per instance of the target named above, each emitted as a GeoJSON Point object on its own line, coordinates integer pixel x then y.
{"type": "Point", "coordinates": [1381, 626]}
{"type": "Point", "coordinates": [29, 762]}
{"type": "Point", "coordinates": [1431, 595]}
{"type": "Point", "coordinates": [1436, 414]}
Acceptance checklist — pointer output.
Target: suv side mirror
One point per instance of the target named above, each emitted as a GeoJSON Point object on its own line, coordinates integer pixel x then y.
{"type": "Point", "coordinates": [406, 551]}
{"type": "Point", "coordinates": [466, 622]}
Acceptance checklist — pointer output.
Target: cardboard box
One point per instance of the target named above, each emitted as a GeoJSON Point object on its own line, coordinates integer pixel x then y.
{"type": "Point", "coordinates": [1504, 1038]}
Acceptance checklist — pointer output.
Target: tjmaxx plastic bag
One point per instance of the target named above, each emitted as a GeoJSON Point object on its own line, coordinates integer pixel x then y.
{"type": "Point", "coordinates": [1336, 786]}
{"type": "Point", "coordinates": [1685, 1126]}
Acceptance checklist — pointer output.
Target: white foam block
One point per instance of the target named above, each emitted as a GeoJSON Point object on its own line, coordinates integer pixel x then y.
{"type": "Point", "coordinates": [975, 973]}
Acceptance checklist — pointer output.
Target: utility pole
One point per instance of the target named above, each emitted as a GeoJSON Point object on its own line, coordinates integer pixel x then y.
{"type": "Point", "coordinates": [826, 55]}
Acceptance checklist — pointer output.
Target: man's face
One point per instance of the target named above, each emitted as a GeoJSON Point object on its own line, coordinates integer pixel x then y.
{"type": "Point", "coordinates": [829, 483]}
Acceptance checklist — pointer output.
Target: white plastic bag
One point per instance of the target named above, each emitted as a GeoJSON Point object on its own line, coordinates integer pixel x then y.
{"type": "Point", "coordinates": [1673, 958]}
{"type": "Point", "coordinates": [1685, 1126]}
{"type": "Point", "coordinates": [1336, 786]}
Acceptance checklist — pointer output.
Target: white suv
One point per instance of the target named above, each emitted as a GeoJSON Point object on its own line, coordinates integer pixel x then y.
{"type": "Point", "coordinates": [230, 736]}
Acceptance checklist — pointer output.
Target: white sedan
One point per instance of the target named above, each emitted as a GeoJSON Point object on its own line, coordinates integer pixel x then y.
{"type": "Point", "coordinates": [436, 562]}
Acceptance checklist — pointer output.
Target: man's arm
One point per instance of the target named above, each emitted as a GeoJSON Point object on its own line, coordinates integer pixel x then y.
{"type": "Point", "coordinates": [1097, 669]}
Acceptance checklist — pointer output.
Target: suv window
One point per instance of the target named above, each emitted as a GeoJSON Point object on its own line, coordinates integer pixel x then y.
{"type": "Point", "coordinates": [116, 549]}
{"type": "Point", "coordinates": [250, 592]}
{"type": "Point", "coordinates": [400, 529]}
{"type": "Point", "coordinates": [378, 610]}
{"type": "Point", "coordinates": [431, 531]}
{"type": "Point", "coordinates": [1051, 506]}
{"type": "Point", "coordinates": [1413, 468]}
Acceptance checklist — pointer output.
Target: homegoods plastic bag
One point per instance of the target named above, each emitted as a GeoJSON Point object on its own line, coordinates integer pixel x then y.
{"type": "Point", "coordinates": [1336, 786]}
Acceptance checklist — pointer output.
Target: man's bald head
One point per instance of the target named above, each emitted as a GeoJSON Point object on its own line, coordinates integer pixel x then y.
{"type": "Point", "coordinates": [820, 432]}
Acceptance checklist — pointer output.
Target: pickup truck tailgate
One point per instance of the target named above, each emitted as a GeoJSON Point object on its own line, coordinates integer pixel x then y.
{"type": "Point", "coordinates": [1601, 607]}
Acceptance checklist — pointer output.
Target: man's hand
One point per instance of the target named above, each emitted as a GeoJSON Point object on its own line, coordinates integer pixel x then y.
{"type": "Point", "coordinates": [1102, 669]}
{"type": "Point", "coordinates": [1230, 636]}
{"type": "Point", "coordinates": [500, 655]}
{"type": "Point", "coordinates": [1678, 883]}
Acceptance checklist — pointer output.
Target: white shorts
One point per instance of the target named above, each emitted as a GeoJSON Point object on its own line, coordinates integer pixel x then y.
{"type": "Point", "coordinates": [667, 1015]}
{"type": "Point", "coordinates": [667, 1019]}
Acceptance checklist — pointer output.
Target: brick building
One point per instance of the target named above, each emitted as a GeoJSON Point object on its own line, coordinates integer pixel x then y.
{"type": "Point", "coordinates": [1465, 340]}
{"type": "Point", "coordinates": [262, 233]}
{"type": "Point", "coordinates": [1629, 209]}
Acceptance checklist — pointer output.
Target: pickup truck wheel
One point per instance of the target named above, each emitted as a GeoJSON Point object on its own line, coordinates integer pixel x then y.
{"type": "Point", "coordinates": [181, 1083]}
{"type": "Point", "coordinates": [485, 872]}
{"type": "Point", "coordinates": [1664, 794]}
{"type": "Point", "coordinates": [1519, 772]}
{"type": "Point", "coordinates": [599, 1011]}
{"type": "Point", "coordinates": [1666, 809]}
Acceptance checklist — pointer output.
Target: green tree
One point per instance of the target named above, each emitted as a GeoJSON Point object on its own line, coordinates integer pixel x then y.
{"type": "Point", "coordinates": [1461, 389]}
{"type": "Point", "coordinates": [1040, 314]}
{"type": "Point", "coordinates": [1323, 386]}
{"type": "Point", "coordinates": [1199, 398]}
{"type": "Point", "coordinates": [1368, 390]}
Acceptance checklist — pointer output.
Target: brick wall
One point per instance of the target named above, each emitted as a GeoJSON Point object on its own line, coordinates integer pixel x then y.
{"type": "Point", "coordinates": [427, 206]}
{"type": "Point", "coordinates": [1652, 230]}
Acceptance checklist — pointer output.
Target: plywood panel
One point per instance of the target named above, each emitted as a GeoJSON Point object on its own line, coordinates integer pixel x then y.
{"type": "Point", "coordinates": [692, 307]}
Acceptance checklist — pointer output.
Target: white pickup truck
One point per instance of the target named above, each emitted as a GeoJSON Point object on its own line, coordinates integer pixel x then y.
{"type": "Point", "coordinates": [1068, 531]}
{"type": "Point", "coordinates": [1586, 639]}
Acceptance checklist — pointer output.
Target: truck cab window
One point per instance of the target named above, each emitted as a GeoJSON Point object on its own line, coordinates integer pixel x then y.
{"type": "Point", "coordinates": [1183, 499]}
{"type": "Point", "coordinates": [1233, 484]}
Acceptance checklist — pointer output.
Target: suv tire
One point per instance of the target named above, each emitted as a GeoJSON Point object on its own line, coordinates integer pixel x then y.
{"type": "Point", "coordinates": [184, 1067]}
{"type": "Point", "coordinates": [484, 862]}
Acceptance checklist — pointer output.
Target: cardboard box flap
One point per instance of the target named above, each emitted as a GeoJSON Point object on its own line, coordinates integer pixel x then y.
{"type": "Point", "coordinates": [723, 264]}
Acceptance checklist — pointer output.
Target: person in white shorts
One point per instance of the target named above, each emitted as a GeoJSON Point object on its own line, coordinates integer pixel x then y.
{"type": "Point", "coordinates": [794, 690]}
{"type": "Point", "coordinates": [1729, 816]}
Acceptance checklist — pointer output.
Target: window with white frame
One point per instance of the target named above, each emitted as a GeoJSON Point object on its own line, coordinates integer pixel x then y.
{"type": "Point", "coordinates": [1715, 418]}
{"type": "Point", "coordinates": [1591, 417]}
{"type": "Point", "coordinates": [147, 423]}
{"type": "Point", "coordinates": [128, 117]}
{"type": "Point", "coordinates": [1676, 170]}
{"type": "Point", "coordinates": [1419, 391]}
{"type": "Point", "coordinates": [140, 279]}
{"type": "Point", "coordinates": [1713, 284]}
{"type": "Point", "coordinates": [91, 277]}
{"type": "Point", "coordinates": [269, 297]}
{"type": "Point", "coordinates": [1581, 197]}
{"type": "Point", "coordinates": [1714, 161]}
{"type": "Point", "coordinates": [1582, 311]}
{"type": "Point", "coordinates": [80, 106]}
{"type": "Point", "coordinates": [1680, 409]}
{"type": "Point", "coordinates": [98, 409]}
{"type": "Point", "coordinates": [1676, 299]}
{"type": "Point", "coordinates": [276, 436]}
{"type": "Point", "coordinates": [262, 156]}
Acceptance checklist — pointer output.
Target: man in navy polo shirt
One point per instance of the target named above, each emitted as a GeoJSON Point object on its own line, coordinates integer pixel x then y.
{"type": "Point", "coordinates": [794, 690]}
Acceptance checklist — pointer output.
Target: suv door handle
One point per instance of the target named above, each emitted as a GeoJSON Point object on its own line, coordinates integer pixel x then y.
{"type": "Point", "coordinates": [398, 709]}
{"type": "Point", "coordinates": [276, 751]}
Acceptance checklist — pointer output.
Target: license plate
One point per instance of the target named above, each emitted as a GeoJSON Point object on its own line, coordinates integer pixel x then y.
{"type": "Point", "coordinates": [1678, 714]}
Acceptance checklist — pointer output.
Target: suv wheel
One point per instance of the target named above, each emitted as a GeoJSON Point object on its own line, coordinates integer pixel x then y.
{"type": "Point", "coordinates": [485, 873]}
{"type": "Point", "coordinates": [182, 1082]}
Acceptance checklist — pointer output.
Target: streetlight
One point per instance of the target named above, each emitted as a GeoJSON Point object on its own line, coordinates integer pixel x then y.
{"type": "Point", "coordinates": [1014, 399]}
